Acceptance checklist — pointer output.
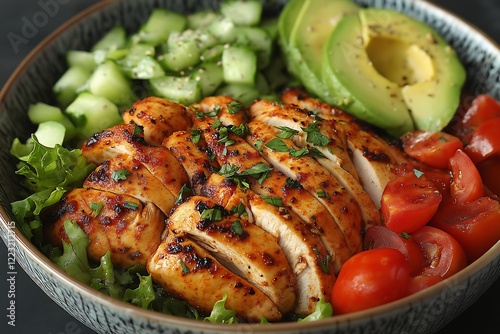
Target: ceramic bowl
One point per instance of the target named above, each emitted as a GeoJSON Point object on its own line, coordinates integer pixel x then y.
{"type": "Point", "coordinates": [424, 312]}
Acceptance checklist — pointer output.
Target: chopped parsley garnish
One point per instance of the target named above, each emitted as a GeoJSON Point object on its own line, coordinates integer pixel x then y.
{"type": "Point", "coordinates": [182, 194]}
{"type": "Point", "coordinates": [96, 208]}
{"type": "Point", "coordinates": [240, 130]}
{"type": "Point", "coordinates": [120, 175]}
{"type": "Point", "coordinates": [239, 210]}
{"type": "Point", "coordinates": [216, 124]}
{"type": "Point", "coordinates": [418, 173]}
{"type": "Point", "coordinates": [259, 171]}
{"type": "Point", "coordinates": [185, 269]}
{"type": "Point", "coordinates": [322, 193]}
{"type": "Point", "coordinates": [138, 129]}
{"type": "Point", "coordinates": [316, 153]}
{"type": "Point", "coordinates": [324, 262]}
{"type": "Point", "coordinates": [291, 183]}
{"type": "Point", "coordinates": [314, 136]}
{"type": "Point", "coordinates": [276, 201]}
{"type": "Point", "coordinates": [286, 132]}
{"type": "Point", "coordinates": [277, 145]}
{"type": "Point", "coordinates": [298, 153]}
{"type": "Point", "coordinates": [213, 214]}
{"type": "Point", "coordinates": [195, 136]}
{"type": "Point", "coordinates": [237, 228]}
{"type": "Point", "coordinates": [130, 205]}
{"type": "Point", "coordinates": [233, 107]}
{"type": "Point", "coordinates": [258, 145]}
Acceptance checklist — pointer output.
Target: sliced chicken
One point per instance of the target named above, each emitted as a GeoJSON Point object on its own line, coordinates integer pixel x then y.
{"type": "Point", "coordinates": [191, 273]}
{"type": "Point", "coordinates": [245, 157]}
{"type": "Point", "coordinates": [191, 152]}
{"type": "Point", "coordinates": [121, 139]}
{"type": "Point", "coordinates": [224, 108]}
{"type": "Point", "coordinates": [120, 224]}
{"type": "Point", "coordinates": [158, 117]}
{"type": "Point", "coordinates": [294, 118]}
{"type": "Point", "coordinates": [301, 244]}
{"type": "Point", "coordinates": [240, 245]}
{"type": "Point", "coordinates": [124, 175]}
{"type": "Point", "coordinates": [375, 160]}
{"type": "Point", "coordinates": [315, 179]}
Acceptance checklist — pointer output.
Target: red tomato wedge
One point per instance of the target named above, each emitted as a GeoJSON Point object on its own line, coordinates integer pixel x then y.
{"type": "Point", "coordinates": [431, 148]}
{"type": "Point", "coordinates": [489, 173]}
{"type": "Point", "coordinates": [475, 225]}
{"type": "Point", "coordinates": [484, 141]}
{"type": "Point", "coordinates": [370, 278]}
{"type": "Point", "coordinates": [467, 184]}
{"type": "Point", "coordinates": [382, 237]}
{"type": "Point", "coordinates": [484, 107]}
{"type": "Point", "coordinates": [422, 282]}
{"type": "Point", "coordinates": [443, 254]}
{"type": "Point", "coordinates": [408, 202]}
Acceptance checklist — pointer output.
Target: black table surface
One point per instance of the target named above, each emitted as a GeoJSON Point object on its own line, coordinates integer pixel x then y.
{"type": "Point", "coordinates": [37, 313]}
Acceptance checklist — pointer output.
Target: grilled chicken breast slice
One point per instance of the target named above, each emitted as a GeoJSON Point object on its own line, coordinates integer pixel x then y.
{"type": "Point", "coordinates": [296, 119]}
{"type": "Point", "coordinates": [315, 179]}
{"type": "Point", "coordinates": [238, 244]}
{"type": "Point", "coordinates": [158, 117]}
{"type": "Point", "coordinates": [121, 139]}
{"type": "Point", "coordinates": [245, 157]}
{"type": "Point", "coordinates": [374, 158]}
{"type": "Point", "coordinates": [120, 224]}
{"type": "Point", "coordinates": [186, 270]}
{"type": "Point", "coordinates": [226, 109]}
{"type": "Point", "coordinates": [191, 152]}
{"type": "Point", "coordinates": [302, 247]}
{"type": "Point", "coordinates": [124, 175]}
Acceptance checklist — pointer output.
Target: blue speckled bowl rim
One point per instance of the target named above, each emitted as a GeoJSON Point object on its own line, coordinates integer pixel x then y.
{"type": "Point", "coordinates": [397, 307]}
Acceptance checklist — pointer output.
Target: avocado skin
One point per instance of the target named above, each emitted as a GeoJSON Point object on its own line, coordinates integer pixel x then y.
{"type": "Point", "coordinates": [358, 88]}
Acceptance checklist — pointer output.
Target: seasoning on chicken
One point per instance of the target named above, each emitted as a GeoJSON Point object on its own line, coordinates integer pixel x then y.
{"type": "Point", "coordinates": [120, 224]}
{"type": "Point", "coordinates": [191, 273]}
{"type": "Point", "coordinates": [158, 117]}
{"type": "Point", "coordinates": [239, 245]}
{"type": "Point", "coordinates": [227, 110]}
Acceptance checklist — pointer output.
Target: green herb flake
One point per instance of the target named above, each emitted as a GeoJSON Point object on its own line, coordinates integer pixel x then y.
{"type": "Point", "coordinates": [120, 175]}
{"type": "Point", "coordinates": [185, 269]}
{"type": "Point", "coordinates": [276, 201]}
{"type": "Point", "coordinates": [138, 129]}
{"type": "Point", "coordinates": [314, 136]}
{"type": "Point", "coordinates": [291, 183]}
{"type": "Point", "coordinates": [240, 130]}
{"type": "Point", "coordinates": [214, 112]}
{"type": "Point", "coordinates": [316, 153]}
{"type": "Point", "coordinates": [239, 210]}
{"type": "Point", "coordinates": [322, 193]}
{"type": "Point", "coordinates": [286, 132]}
{"type": "Point", "coordinates": [182, 194]}
{"type": "Point", "coordinates": [216, 124]}
{"type": "Point", "coordinates": [96, 208]}
{"type": "Point", "coordinates": [130, 205]}
{"type": "Point", "coordinates": [213, 214]}
{"type": "Point", "coordinates": [234, 106]}
{"type": "Point", "coordinates": [237, 228]}
{"type": "Point", "coordinates": [258, 145]}
{"type": "Point", "coordinates": [324, 261]}
{"type": "Point", "coordinates": [195, 136]}
{"type": "Point", "coordinates": [443, 138]}
{"type": "Point", "coordinates": [418, 173]}
{"type": "Point", "coordinates": [277, 145]}
{"type": "Point", "coordinates": [257, 169]}
{"type": "Point", "coordinates": [405, 235]}
{"type": "Point", "coordinates": [298, 153]}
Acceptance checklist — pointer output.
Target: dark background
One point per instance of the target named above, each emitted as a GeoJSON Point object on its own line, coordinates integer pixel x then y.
{"type": "Point", "coordinates": [37, 313]}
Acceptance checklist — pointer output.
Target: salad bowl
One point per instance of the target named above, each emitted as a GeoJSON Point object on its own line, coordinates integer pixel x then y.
{"type": "Point", "coordinates": [424, 312]}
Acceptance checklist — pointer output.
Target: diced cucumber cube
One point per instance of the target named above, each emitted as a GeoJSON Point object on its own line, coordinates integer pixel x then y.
{"type": "Point", "coordinates": [242, 12]}
{"type": "Point", "coordinates": [209, 76]}
{"type": "Point", "coordinates": [136, 53]}
{"type": "Point", "coordinates": [114, 39]}
{"type": "Point", "coordinates": [147, 68]}
{"type": "Point", "coordinates": [258, 40]}
{"type": "Point", "coordinates": [41, 112]}
{"type": "Point", "coordinates": [50, 133]}
{"type": "Point", "coordinates": [65, 89]}
{"type": "Point", "coordinates": [201, 19]}
{"type": "Point", "coordinates": [160, 24]}
{"type": "Point", "coordinates": [239, 65]}
{"type": "Point", "coordinates": [110, 82]}
{"type": "Point", "coordinates": [244, 93]}
{"type": "Point", "coordinates": [212, 54]}
{"type": "Point", "coordinates": [81, 58]}
{"type": "Point", "coordinates": [93, 113]}
{"type": "Point", "coordinates": [224, 30]}
{"type": "Point", "coordinates": [180, 89]}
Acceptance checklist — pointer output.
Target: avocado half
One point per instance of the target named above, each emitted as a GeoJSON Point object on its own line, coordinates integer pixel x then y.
{"type": "Point", "coordinates": [392, 71]}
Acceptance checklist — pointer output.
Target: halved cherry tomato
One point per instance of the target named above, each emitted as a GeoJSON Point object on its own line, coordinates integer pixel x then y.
{"type": "Point", "coordinates": [467, 184]}
{"type": "Point", "coordinates": [484, 141]}
{"type": "Point", "coordinates": [421, 282]}
{"type": "Point", "coordinates": [381, 237]}
{"type": "Point", "coordinates": [440, 177]}
{"type": "Point", "coordinates": [489, 173]}
{"type": "Point", "coordinates": [432, 148]}
{"type": "Point", "coordinates": [408, 202]}
{"type": "Point", "coordinates": [475, 225]}
{"type": "Point", "coordinates": [370, 278]}
{"type": "Point", "coordinates": [443, 254]}
{"type": "Point", "coordinates": [484, 107]}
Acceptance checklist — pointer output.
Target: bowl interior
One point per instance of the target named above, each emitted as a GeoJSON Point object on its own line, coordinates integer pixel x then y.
{"type": "Point", "coordinates": [33, 80]}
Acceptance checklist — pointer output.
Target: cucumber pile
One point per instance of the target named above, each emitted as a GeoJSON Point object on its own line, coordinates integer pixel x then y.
{"type": "Point", "coordinates": [231, 51]}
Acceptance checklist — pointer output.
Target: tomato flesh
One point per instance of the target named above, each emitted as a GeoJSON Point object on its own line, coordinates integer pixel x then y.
{"type": "Point", "coordinates": [484, 141]}
{"type": "Point", "coordinates": [371, 278]}
{"type": "Point", "coordinates": [475, 225]}
{"type": "Point", "coordinates": [467, 184]}
{"type": "Point", "coordinates": [431, 148]}
{"type": "Point", "coordinates": [421, 282]}
{"type": "Point", "coordinates": [409, 202]}
{"type": "Point", "coordinates": [489, 174]}
{"type": "Point", "coordinates": [443, 254]}
{"type": "Point", "coordinates": [484, 107]}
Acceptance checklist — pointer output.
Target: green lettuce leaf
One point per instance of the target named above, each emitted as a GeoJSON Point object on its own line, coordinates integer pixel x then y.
{"type": "Point", "coordinates": [222, 315]}
{"type": "Point", "coordinates": [143, 295]}
{"type": "Point", "coordinates": [323, 310]}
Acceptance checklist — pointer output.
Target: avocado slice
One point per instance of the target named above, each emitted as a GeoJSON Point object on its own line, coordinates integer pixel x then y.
{"type": "Point", "coordinates": [287, 19]}
{"type": "Point", "coordinates": [315, 23]}
{"type": "Point", "coordinates": [392, 71]}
